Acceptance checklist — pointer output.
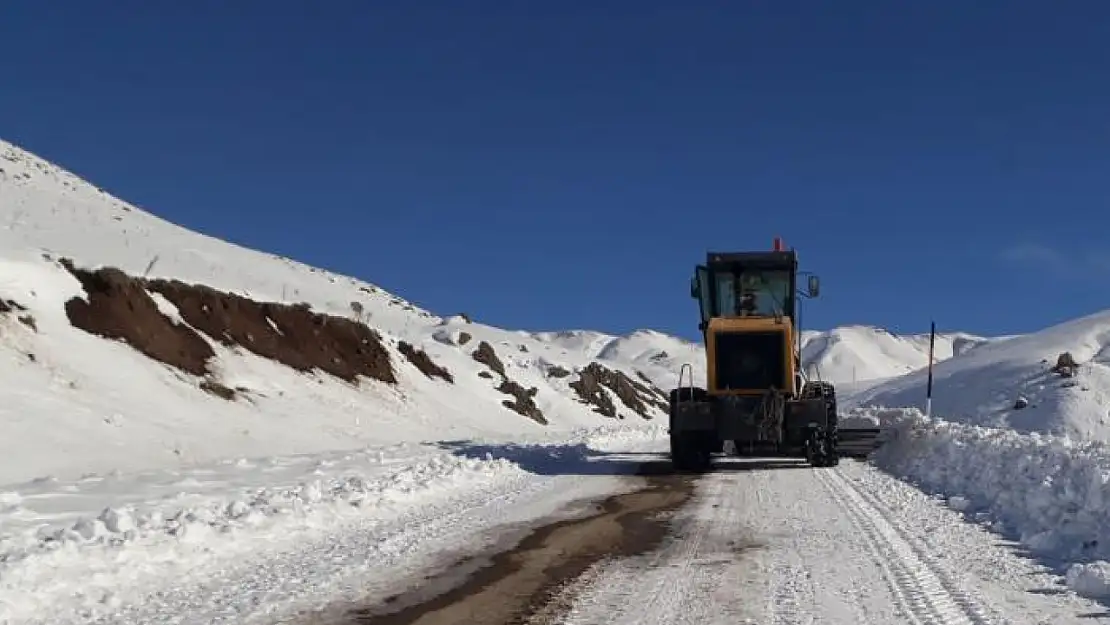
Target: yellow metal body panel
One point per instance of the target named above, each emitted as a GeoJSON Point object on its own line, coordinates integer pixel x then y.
{"type": "Point", "coordinates": [748, 324]}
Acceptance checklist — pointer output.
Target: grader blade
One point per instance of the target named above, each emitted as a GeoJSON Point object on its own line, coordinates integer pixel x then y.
{"type": "Point", "coordinates": [858, 442]}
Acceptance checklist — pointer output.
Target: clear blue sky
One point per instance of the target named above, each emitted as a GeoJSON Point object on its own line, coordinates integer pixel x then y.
{"type": "Point", "coordinates": [566, 164]}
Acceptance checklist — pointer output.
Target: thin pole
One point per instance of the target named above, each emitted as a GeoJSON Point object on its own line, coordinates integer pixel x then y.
{"type": "Point", "coordinates": [929, 385]}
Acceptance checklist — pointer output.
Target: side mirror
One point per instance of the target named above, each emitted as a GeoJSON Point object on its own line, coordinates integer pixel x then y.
{"type": "Point", "coordinates": [814, 286]}
{"type": "Point", "coordinates": [695, 291]}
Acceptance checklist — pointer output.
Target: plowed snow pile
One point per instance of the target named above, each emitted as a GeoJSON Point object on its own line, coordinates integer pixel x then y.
{"type": "Point", "coordinates": [1024, 444]}
{"type": "Point", "coordinates": [1050, 493]}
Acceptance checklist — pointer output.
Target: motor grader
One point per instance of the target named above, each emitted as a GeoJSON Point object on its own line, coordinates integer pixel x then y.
{"type": "Point", "coordinates": [756, 398]}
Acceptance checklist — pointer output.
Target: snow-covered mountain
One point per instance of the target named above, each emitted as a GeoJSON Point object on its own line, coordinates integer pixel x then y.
{"type": "Point", "coordinates": [1012, 383]}
{"type": "Point", "coordinates": [856, 354]}
{"type": "Point", "coordinates": [853, 357]}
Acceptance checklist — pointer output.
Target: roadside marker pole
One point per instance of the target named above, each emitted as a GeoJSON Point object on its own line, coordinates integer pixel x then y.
{"type": "Point", "coordinates": [929, 385]}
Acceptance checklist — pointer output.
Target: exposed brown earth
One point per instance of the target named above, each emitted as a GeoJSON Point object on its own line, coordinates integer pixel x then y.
{"type": "Point", "coordinates": [119, 307]}
{"type": "Point", "coordinates": [293, 335]}
{"type": "Point", "coordinates": [422, 361]}
{"type": "Point", "coordinates": [635, 395]}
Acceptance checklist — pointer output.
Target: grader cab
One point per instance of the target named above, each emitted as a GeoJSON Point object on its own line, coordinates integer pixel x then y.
{"type": "Point", "coordinates": [756, 398]}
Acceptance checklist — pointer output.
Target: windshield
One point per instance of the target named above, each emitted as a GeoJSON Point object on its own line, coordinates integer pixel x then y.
{"type": "Point", "coordinates": [753, 293]}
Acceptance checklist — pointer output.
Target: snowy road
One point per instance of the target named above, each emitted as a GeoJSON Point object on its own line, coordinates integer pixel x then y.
{"type": "Point", "coordinates": [781, 545]}
{"type": "Point", "coordinates": [777, 542]}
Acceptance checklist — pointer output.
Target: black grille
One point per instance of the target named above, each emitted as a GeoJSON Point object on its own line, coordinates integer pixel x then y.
{"type": "Point", "coordinates": [750, 360]}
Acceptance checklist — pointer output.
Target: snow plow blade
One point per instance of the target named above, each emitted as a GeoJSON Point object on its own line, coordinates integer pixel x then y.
{"type": "Point", "coordinates": [858, 442]}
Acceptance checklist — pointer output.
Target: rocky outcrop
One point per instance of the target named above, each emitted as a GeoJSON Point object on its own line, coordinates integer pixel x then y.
{"type": "Point", "coordinates": [636, 396]}
{"type": "Point", "coordinates": [555, 371]}
{"type": "Point", "coordinates": [14, 307]}
{"type": "Point", "coordinates": [9, 305]}
{"type": "Point", "coordinates": [422, 361]}
{"type": "Point", "coordinates": [486, 355]}
{"type": "Point", "coordinates": [522, 402]}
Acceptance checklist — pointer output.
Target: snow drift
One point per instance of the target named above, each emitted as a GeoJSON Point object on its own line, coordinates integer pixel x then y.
{"type": "Point", "coordinates": [1014, 383]}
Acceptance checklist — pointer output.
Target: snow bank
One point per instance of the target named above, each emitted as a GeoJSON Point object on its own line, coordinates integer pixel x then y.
{"type": "Point", "coordinates": [83, 543]}
{"type": "Point", "coordinates": [1051, 492]}
{"type": "Point", "coordinates": [1090, 580]}
{"type": "Point", "coordinates": [161, 538]}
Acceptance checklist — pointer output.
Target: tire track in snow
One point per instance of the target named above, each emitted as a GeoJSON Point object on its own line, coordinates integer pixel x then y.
{"type": "Point", "coordinates": [927, 595]}
{"type": "Point", "coordinates": [968, 599]}
{"type": "Point", "coordinates": [670, 586]}
{"type": "Point", "coordinates": [744, 554]}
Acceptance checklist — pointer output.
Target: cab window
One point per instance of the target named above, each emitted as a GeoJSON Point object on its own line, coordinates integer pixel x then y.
{"type": "Point", "coordinates": [726, 294]}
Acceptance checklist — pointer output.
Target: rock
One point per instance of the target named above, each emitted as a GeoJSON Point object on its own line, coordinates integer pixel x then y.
{"type": "Point", "coordinates": [422, 361]}
{"type": "Point", "coordinates": [486, 355]}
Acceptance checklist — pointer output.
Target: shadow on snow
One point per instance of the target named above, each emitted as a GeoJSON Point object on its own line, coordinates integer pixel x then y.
{"type": "Point", "coordinates": [581, 459]}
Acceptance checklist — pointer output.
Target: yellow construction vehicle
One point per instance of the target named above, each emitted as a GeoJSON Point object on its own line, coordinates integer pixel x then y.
{"type": "Point", "coordinates": [756, 398]}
